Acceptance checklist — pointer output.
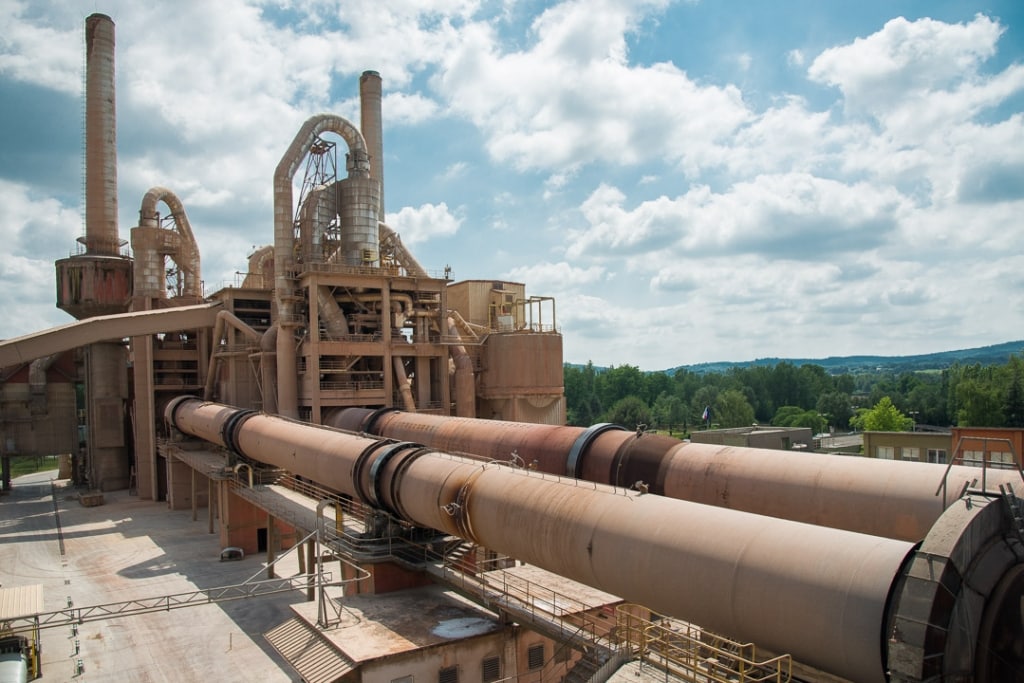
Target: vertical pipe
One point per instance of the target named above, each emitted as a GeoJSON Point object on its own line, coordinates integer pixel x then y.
{"type": "Point", "coordinates": [372, 127]}
{"type": "Point", "coordinates": [101, 236]}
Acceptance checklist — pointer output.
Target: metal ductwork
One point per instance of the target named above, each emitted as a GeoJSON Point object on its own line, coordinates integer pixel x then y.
{"type": "Point", "coordinates": [151, 243]}
{"type": "Point", "coordinates": [285, 267]}
{"type": "Point", "coordinates": [866, 608]}
{"type": "Point", "coordinates": [879, 497]}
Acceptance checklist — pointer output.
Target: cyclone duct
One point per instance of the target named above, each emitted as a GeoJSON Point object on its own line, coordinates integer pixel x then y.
{"type": "Point", "coordinates": [887, 498]}
{"type": "Point", "coordinates": [854, 605]}
{"type": "Point", "coordinates": [362, 208]}
{"type": "Point", "coordinates": [151, 243]}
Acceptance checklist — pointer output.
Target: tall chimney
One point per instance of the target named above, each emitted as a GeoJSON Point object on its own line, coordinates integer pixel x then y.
{"type": "Point", "coordinates": [372, 128]}
{"type": "Point", "coordinates": [101, 236]}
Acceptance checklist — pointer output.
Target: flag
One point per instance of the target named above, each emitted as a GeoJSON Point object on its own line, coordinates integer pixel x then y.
{"type": "Point", "coordinates": [707, 413]}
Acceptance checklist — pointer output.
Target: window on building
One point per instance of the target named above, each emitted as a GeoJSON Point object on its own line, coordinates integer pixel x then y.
{"type": "Point", "coordinates": [910, 453]}
{"type": "Point", "coordinates": [885, 452]}
{"type": "Point", "coordinates": [449, 674]}
{"type": "Point", "coordinates": [937, 456]}
{"type": "Point", "coordinates": [535, 656]}
{"type": "Point", "coordinates": [1001, 459]}
{"type": "Point", "coordinates": [491, 670]}
{"type": "Point", "coordinates": [975, 458]}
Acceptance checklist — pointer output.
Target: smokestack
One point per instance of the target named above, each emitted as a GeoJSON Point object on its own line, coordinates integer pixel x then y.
{"type": "Point", "coordinates": [101, 237]}
{"type": "Point", "coordinates": [372, 128]}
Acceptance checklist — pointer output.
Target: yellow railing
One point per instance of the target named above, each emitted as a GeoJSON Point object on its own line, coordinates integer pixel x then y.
{"type": "Point", "coordinates": [693, 654]}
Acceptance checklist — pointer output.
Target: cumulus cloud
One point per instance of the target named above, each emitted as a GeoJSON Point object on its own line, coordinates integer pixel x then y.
{"type": "Point", "coordinates": [555, 277]}
{"type": "Point", "coordinates": [429, 221]}
{"type": "Point", "coordinates": [571, 98]}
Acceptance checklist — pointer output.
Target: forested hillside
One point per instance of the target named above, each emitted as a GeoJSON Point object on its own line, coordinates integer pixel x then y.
{"type": "Point", "coordinates": [975, 387]}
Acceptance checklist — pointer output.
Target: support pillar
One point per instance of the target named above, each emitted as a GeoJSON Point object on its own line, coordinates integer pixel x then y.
{"type": "Point", "coordinates": [271, 542]}
{"type": "Point", "coordinates": [311, 565]}
{"type": "Point", "coordinates": [210, 501]}
{"type": "Point", "coordinates": [195, 502]}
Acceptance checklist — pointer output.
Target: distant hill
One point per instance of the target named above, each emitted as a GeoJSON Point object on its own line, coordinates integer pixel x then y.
{"type": "Point", "coordinates": [997, 354]}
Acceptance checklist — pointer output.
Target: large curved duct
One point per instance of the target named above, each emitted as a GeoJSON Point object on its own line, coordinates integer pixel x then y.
{"type": "Point", "coordinates": [390, 241]}
{"type": "Point", "coordinates": [285, 268]}
{"type": "Point", "coordinates": [150, 243]}
{"type": "Point", "coordinates": [260, 273]}
{"type": "Point", "coordinates": [887, 498]}
{"type": "Point", "coordinates": [841, 601]}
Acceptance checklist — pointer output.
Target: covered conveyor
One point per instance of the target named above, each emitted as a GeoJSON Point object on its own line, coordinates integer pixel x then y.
{"type": "Point", "coordinates": [862, 607]}
{"type": "Point", "coordinates": [105, 327]}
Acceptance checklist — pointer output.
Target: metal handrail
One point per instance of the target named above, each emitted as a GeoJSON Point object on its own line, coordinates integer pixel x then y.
{"type": "Point", "coordinates": [695, 654]}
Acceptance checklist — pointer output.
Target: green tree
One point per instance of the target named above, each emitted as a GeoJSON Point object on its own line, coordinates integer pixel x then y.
{"type": "Point", "coordinates": [1013, 406]}
{"type": "Point", "coordinates": [793, 416]}
{"type": "Point", "coordinates": [733, 410]}
{"type": "Point", "coordinates": [883, 417]}
{"type": "Point", "coordinates": [617, 383]}
{"type": "Point", "coordinates": [704, 397]}
{"type": "Point", "coordinates": [583, 407]}
{"type": "Point", "coordinates": [836, 407]}
{"type": "Point", "coordinates": [669, 411]}
{"type": "Point", "coordinates": [629, 412]}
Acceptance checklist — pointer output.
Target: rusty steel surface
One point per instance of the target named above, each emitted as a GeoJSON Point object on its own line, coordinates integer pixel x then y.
{"type": "Point", "coordinates": [818, 593]}
{"type": "Point", "coordinates": [888, 498]}
{"type": "Point", "coordinates": [101, 236]}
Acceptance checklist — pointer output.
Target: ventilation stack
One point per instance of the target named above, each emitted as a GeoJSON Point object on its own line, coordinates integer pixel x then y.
{"type": "Point", "coordinates": [98, 281]}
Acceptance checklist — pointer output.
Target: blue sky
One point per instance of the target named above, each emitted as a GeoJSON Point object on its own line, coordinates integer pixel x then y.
{"type": "Point", "coordinates": [692, 181]}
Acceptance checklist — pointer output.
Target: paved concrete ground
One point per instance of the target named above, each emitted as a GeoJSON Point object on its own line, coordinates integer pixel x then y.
{"type": "Point", "coordinates": [131, 549]}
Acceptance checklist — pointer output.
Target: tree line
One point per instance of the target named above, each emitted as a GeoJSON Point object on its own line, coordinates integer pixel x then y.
{"type": "Point", "coordinates": [789, 395]}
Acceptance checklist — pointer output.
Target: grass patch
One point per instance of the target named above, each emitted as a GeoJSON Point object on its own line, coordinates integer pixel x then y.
{"type": "Point", "coordinates": [30, 464]}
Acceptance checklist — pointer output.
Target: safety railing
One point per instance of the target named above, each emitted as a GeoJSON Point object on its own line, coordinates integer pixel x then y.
{"type": "Point", "coordinates": [984, 463]}
{"type": "Point", "coordinates": [687, 651]}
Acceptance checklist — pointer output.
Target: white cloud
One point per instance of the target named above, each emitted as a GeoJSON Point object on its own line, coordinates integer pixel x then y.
{"type": "Point", "coordinates": [555, 277]}
{"type": "Point", "coordinates": [46, 55]}
{"type": "Point", "coordinates": [429, 221]}
{"type": "Point", "coordinates": [35, 232]}
{"type": "Point", "coordinates": [907, 68]}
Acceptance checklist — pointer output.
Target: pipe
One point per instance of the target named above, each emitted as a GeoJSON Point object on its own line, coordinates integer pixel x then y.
{"type": "Point", "coordinates": [887, 498]}
{"type": "Point", "coordinates": [225, 319]}
{"type": "Point", "coordinates": [331, 313]}
{"type": "Point", "coordinates": [389, 239]}
{"type": "Point", "coordinates": [285, 268]}
{"type": "Point", "coordinates": [404, 385]}
{"type": "Point", "coordinates": [261, 269]}
{"type": "Point", "coordinates": [37, 370]}
{"type": "Point", "coordinates": [101, 236]}
{"type": "Point", "coordinates": [268, 368]}
{"type": "Point", "coordinates": [186, 251]}
{"type": "Point", "coordinates": [850, 604]}
{"type": "Point", "coordinates": [465, 380]}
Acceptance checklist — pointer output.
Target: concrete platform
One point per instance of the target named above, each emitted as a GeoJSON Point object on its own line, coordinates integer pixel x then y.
{"type": "Point", "coordinates": [130, 549]}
